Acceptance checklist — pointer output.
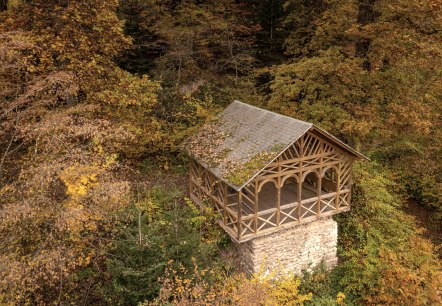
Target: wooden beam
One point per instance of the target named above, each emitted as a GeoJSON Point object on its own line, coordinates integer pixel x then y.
{"type": "Point", "coordinates": [338, 185]}
{"type": "Point", "coordinates": [295, 171]}
{"type": "Point", "coordinates": [226, 202]}
{"type": "Point", "coordinates": [211, 179]}
{"type": "Point", "coordinates": [285, 225]}
{"type": "Point", "coordinates": [239, 215]}
{"type": "Point", "coordinates": [321, 166]}
{"type": "Point", "coordinates": [299, 200]}
{"type": "Point", "coordinates": [304, 158]}
{"type": "Point", "coordinates": [300, 180]}
{"type": "Point", "coordinates": [319, 186]}
{"type": "Point", "coordinates": [255, 227]}
{"type": "Point", "coordinates": [350, 183]}
{"type": "Point", "coordinates": [278, 200]}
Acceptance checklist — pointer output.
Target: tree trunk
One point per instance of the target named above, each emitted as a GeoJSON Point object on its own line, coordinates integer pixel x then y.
{"type": "Point", "coordinates": [366, 15]}
{"type": "Point", "coordinates": [3, 5]}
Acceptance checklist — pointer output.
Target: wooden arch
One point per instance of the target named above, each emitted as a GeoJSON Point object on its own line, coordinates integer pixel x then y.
{"type": "Point", "coordinates": [239, 213]}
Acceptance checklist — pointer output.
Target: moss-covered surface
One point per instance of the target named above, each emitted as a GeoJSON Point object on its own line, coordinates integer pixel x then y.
{"type": "Point", "coordinates": [238, 174]}
{"type": "Point", "coordinates": [203, 145]}
{"type": "Point", "coordinates": [207, 147]}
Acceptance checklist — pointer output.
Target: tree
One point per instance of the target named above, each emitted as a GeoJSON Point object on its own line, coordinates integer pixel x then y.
{"type": "Point", "coordinates": [68, 117]}
{"type": "Point", "coordinates": [367, 73]}
{"type": "Point", "coordinates": [300, 23]}
{"type": "Point", "coordinates": [393, 98]}
{"type": "Point", "coordinates": [162, 232]}
{"type": "Point", "coordinates": [192, 38]}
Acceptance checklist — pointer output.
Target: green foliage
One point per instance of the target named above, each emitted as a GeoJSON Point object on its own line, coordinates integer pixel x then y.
{"type": "Point", "coordinates": [161, 231]}
{"type": "Point", "coordinates": [374, 228]}
{"type": "Point", "coordinates": [327, 90]}
{"type": "Point", "coordinates": [321, 284]}
{"type": "Point", "coordinates": [300, 21]}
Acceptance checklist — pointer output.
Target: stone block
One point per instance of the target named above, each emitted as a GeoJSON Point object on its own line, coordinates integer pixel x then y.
{"type": "Point", "coordinates": [292, 249]}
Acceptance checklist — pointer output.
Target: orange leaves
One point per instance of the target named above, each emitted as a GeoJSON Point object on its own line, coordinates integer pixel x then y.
{"type": "Point", "coordinates": [69, 110]}
{"type": "Point", "coordinates": [402, 283]}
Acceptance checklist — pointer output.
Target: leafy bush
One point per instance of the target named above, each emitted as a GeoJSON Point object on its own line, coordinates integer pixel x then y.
{"type": "Point", "coordinates": [237, 289]}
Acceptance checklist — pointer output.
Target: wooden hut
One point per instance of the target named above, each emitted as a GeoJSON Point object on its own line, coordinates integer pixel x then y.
{"type": "Point", "coordinates": [269, 177]}
{"type": "Point", "coordinates": [263, 172]}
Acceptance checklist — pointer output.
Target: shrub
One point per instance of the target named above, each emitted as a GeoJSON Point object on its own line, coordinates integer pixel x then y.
{"type": "Point", "coordinates": [160, 229]}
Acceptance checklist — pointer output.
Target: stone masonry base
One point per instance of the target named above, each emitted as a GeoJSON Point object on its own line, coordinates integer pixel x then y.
{"type": "Point", "coordinates": [293, 249]}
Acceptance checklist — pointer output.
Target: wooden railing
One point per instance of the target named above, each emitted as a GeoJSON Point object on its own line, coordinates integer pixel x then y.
{"type": "Point", "coordinates": [243, 221]}
{"type": "Point", "coordinates": [290, 214]}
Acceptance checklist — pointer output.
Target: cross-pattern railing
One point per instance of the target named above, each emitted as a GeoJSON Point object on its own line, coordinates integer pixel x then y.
{"type": "Point", "coordinates": [293, 213]}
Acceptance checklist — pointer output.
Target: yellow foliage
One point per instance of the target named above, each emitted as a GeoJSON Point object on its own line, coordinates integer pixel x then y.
{"type": "Point", "coordinates": [285, 291]}
{"type": "Point", "coordinates": [79, 179]}
{"type": "Point", "coordinates": [282, 288]}
{"type": "Point", "coordinates": [340, 297]}
{"type": "Point", "coordinates": [260, 289]}
{"type": "Point", "coordinates": [401, 283]}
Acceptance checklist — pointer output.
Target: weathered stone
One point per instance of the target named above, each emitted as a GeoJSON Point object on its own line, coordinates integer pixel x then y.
{"type": "Point", "coordinates": [293, 249]}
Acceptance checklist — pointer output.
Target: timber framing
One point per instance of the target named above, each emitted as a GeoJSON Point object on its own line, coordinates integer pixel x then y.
{"type": "Point", "coordinates": [242, 214]}
{"type": "Point", "coordinates": [309, 179]}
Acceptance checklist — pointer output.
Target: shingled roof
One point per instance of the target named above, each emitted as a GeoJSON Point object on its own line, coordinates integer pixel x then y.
{"type": "Point", "coordinates": [244, 139]}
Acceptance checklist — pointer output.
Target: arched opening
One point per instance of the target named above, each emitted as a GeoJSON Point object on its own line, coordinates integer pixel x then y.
{"type": "Point", "coordinates": [309, 195]}
{"type": "Point", "coordinates": [268, 196]}
{"type": "Point", "coordinates": [330, 181]}
{"type": "Point", "coordinates": [289, 191]}
{"type": "Point", "coordinates": [310, 186]}
{"type": "Point", "coordinates": [289, 199]}
{"type": "Point", "coordinates": [267, 210]}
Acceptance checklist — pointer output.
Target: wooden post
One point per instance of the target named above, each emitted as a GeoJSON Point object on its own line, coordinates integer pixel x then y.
{"type": "Point", "coordinates": [321, 162]}
{"type": "Point", "coordinates": [338, 185]}
{"type": "Point", "coordinates": [238, 222]}
{"type": "Point", "coordinates": [278, 201]}
{"type": "Point", "coordinates": [226, 202]}
{"type": "Point", "coordinates": [301, 155]}
{"type": "Point", "coordinates": [319, 186]}
{"type": "Point", "coordinates": [255, 228]}
{"type": "Point", "coordinates": [350, 183]}
{"type": "Point", "coordinates": [211, 180]}
{"type": "Point", "coordinates": [299, 197]}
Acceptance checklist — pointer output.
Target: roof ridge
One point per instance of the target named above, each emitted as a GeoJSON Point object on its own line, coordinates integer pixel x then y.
{"type": "Point", "coordinates": [272, 112]}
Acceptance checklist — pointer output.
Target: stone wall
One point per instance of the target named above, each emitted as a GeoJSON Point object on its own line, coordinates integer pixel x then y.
{"type": "Point", "coordinates": [300, 247]}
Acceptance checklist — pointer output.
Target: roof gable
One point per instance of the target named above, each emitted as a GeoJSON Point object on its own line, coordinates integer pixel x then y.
{"type": "Point", "coordinates": [244, 139]}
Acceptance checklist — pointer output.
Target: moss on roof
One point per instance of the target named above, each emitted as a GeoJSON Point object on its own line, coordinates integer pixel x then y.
{"type": "Point", "coordinates": [243, 139]}
{"type": "Point", "coordinates": [239, 174]}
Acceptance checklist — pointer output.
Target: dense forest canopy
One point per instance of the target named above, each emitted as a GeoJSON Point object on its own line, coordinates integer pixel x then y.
{"type": "Point", "coordinates": [97, 95]}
